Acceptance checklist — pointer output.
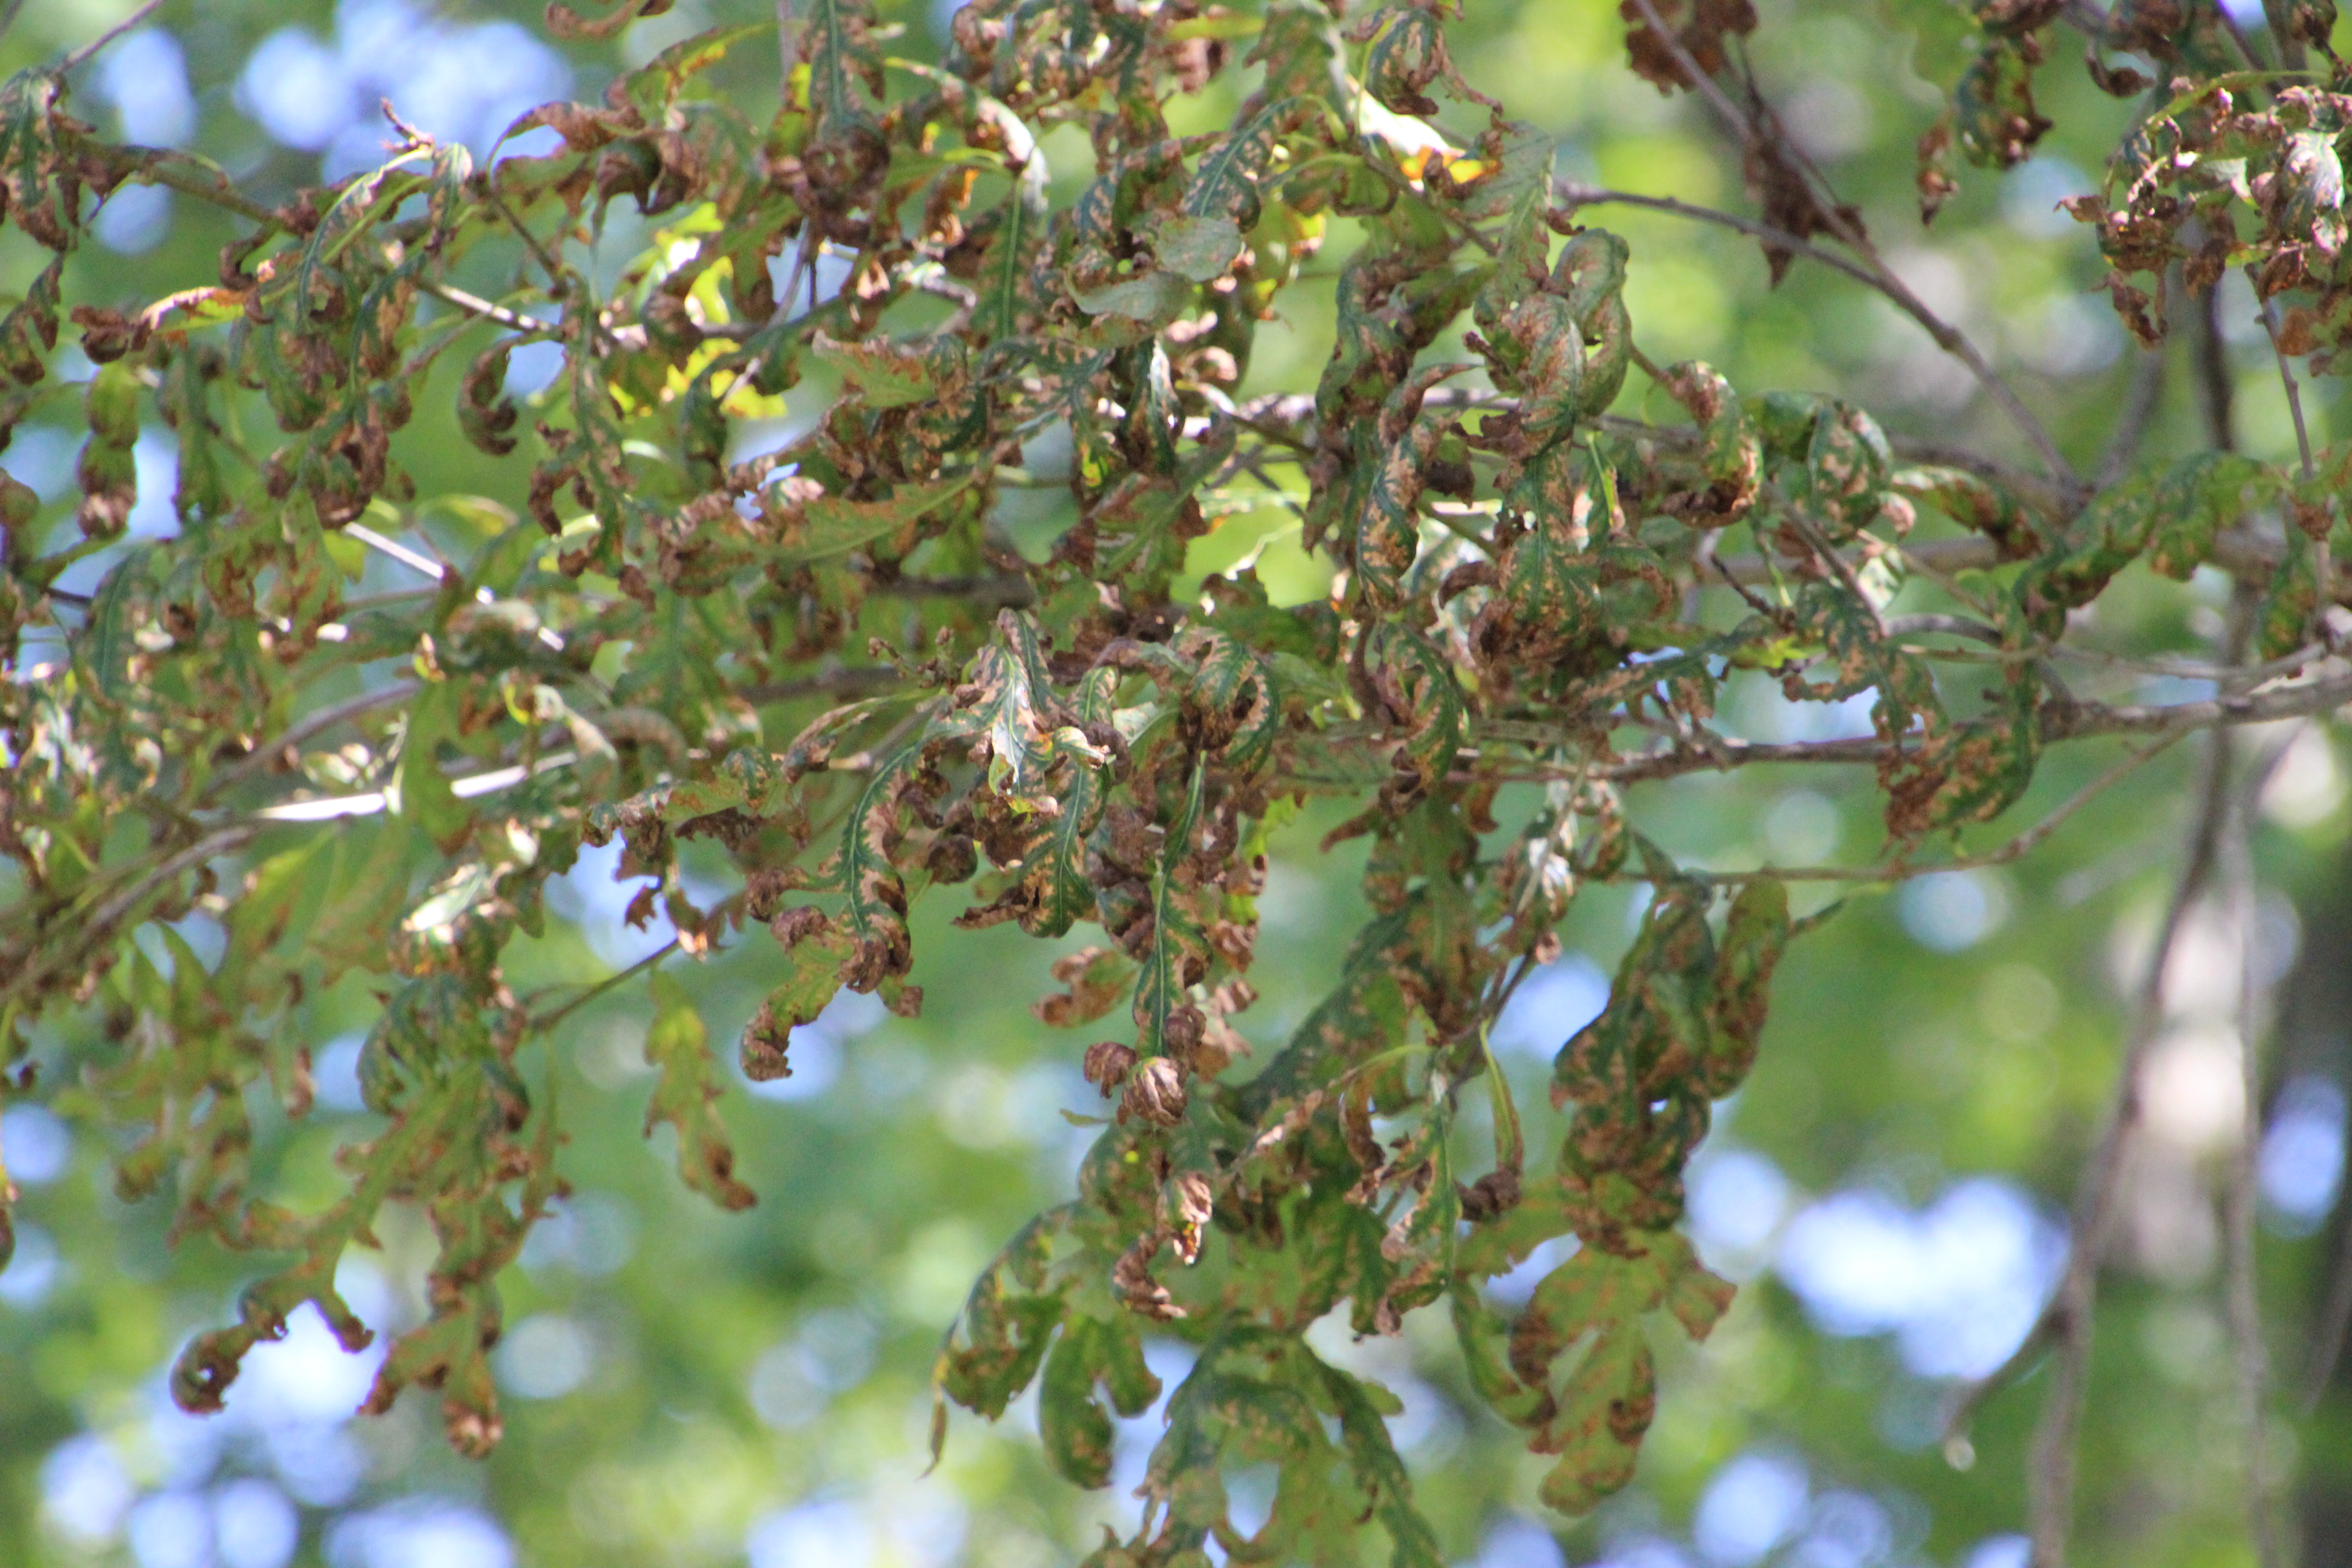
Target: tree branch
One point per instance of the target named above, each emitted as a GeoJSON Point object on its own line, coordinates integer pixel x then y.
{"type": "Point", "coordinates": [301, 729]}
{"type": "Point", "coordinates": [2240, 551]}
{"type": "Point", "coordinates": [2016, 849]}
{"type": "Point", "coordinates": [2058, 722]}
{"type": "Point", "coordinates": [475, 305]}
{"type": "Point", "coordinates": [2049, 1477]}
{"type": "Point", "coordinates": [860, 680]}
{"type": "Point", "coordinates": [2335, 1318]}
{"type": "Point", "coordinates": [2242, 1294]}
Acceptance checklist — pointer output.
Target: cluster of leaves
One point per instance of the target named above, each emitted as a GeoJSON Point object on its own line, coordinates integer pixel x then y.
{"type": "Point", "coordinates": [653, 636]}
{"type": "Point", "coordinates": [2236, 162]}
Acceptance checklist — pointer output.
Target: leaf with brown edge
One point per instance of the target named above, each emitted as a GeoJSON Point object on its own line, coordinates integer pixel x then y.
{"type": "Point", "coordinates": [450, 1352]}
{"type": "Point", "coordinates": [1075, 1427]}
{"type": "Point", "coordinates": [816, 950]}
{"type": "Point", "coordinates": [485, 414]}
{"type": "Point", "coordinates": [565, 23]}
{"type": "Point", "coordinates": [1001, 1337]}
{"type": "Point", "coordinates": [1094, 978]}
{"type": "Point", "coordinates": [894, 374]}
{"type": "Point", "coordinates": [1601, 1418]}
{"type": "Point", "coordinates": [1172, 961]}
{"type": "Point", "coordinates": [1606, 1405]}
{"type": "Point", "coordinates": [2195, 499]}
{"type": "Point", "coordinates": [1417, 684]}
{"type": "Point", "coordinates": [1754, 932]}
{"type": "Point", "coordinates": [1976, 504]}
{"type": "Point", "coordinates": [1997, 122]}
{"type": "Point", "coordinates": [678, 1048]}
{"type": "Point", "coordinates": [828, 526]}
{"type": "Point", "coordinates": [1699, 27]}
{"type": "Point", "coordinates": [2283, 619]}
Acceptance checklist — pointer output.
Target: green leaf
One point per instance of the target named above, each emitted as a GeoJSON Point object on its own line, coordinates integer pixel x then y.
{"type": "Point", "coordinates": [421, 792]}
{"type": "Point", "coordinates": [678, 1048]}
{"type": "Point", "coordinates": [1754, 932]}
{"type": "Point", "coordinates": [835, 526]}
{"type": "Point", "coordinates": [1058, 891]}
{"type": "Point", "coordinates": [2282, 622]}
{"type": "Point", "coordinates": [890, 374]}
{"type": "Point", "coordinates": [1522, 261]}
{"type": "Point", "coordinates": [1199, 248]}
{"type": "Point", "coordinates": [2196, 498]}
{"type": "Point", "coordinates": [109, 637]}
{"type": "Point", "coordinates": [1008, 1320]}
{"type": "Point", "coordinates": [1177, 941]}
{"type": "Point", "coordinates": [1074, 1427]}
{"type": "Point", "coordinates": [1153, 298]}
{"type": "Point", "coordinates": [1380, 1476]}
{"type": "Point", "coordinates": [1424, 696]}
{"type": "Point", "coordinates": [1004, 273]}
{"type": "Point", "coordinates": [1225, 188]}
{"type": "Point", "coordinates": [833, 41]}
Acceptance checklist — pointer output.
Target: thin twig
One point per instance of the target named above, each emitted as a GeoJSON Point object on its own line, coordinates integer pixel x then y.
{"type": "Point", "coordinates": [858, 680]}
{"type": "Point", "coordinates": [2238, 38]}
{"type": "Point", "coordinates": [2238, 550]}
{"type": "Point", "coordinates": [2140, 407]}
{"type": "Point", "coordinates": [1949, 338]}
{"type": "Point", "coordinates": [1577, 196]}
{"type": "Point", "coordinates": [2058, 721]}
{"type": "Point", "coordinates": [546, 258]}
{"type": "Point", "coordinates": [301, 729]}
{"type": "Point", "coordinates": [549, 1020]}
{"type": "Point", "coordinates": [2286, 378]}
{"type": "Point", "coordinates": [2050, 1477]}
{"type": "Point", "coordinates": [475, 305]}
{"type": "Point", "coordinates": [1699, 81]}
{"type": "Point", "coordinates": [99, 924]}
{"type": "Point", "coordinates": [2016, 849]}
{"type": "Point", "coordinates": [82, 56]}
{"type": "Point", "coordinates": [1831, 561]}
{"type": "Point", "coordinates": [415, 561]}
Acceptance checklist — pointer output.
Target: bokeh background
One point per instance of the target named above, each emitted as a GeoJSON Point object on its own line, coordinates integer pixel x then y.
{"type": "Point", "coordinates": [687, 1387]}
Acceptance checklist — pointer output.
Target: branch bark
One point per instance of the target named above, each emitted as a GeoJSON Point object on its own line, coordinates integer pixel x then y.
{"type": "Point", "coordinates": [2049, 1477]}
{"type": "Point", "coordinates": [2243, 1300]}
